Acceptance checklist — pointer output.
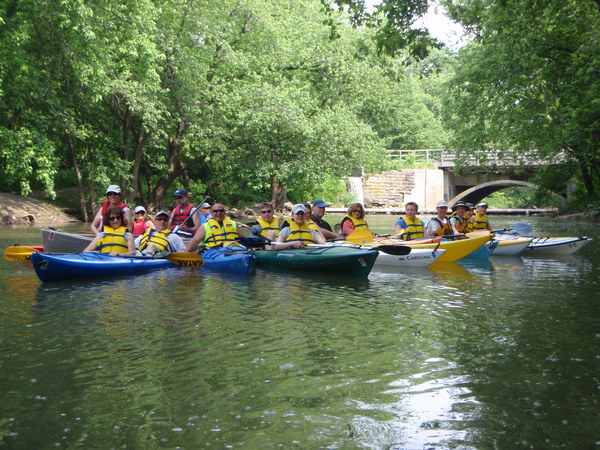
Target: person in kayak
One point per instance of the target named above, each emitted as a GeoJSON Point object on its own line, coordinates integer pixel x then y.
{"type": "Point", "coordinates": [141, 221]}
{"type": "Point", "coordinates": [317, 214]}
{"type": "Point", "coordinates": [409, 226]}
{"type": "Point", "coordinates": [115, 238]}
{"type": "Point", "coordinates": [113, 195]}
{"type": "Point", "coordinates": [354, 220]}
{"type": "Point", "coordinates": [218, 231]}
{"type": "Point", "coordinates": [181, 213]}
{"type": "Point", "coordinates": [459, 222]}
{"type": "Point", "coordinates": [159, 239]}
{"type": "Point", "coordinates": [439, 225]}
{"type": "Point", "coordinates": [481, 221]}
{"type": "Point", "coordinates": [204, 213]}
{"type": "Point", "coordinates": [267, 224]}
{"type": "Point", "coordinates": [297, 233]}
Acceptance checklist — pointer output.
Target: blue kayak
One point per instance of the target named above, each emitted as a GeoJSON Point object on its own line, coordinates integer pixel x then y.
{"type": "Point", "coordinates": [231, 259]}
{"type": "Point", "coordinates": [59, 267]}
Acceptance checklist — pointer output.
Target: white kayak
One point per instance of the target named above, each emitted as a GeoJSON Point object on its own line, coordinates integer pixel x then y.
{"type": "Point", "coordinates": [511, 245]}
{"type": "Point", "coordinates": [556, 245]}
{"type": "Point", "coordinates": [416, 258]}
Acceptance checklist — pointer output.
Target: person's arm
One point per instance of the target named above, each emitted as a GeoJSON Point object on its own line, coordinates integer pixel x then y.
{"type": "Point", "coordinates": [318, 237]}
{"type": "Point", "coordinates": [330, 234]}
{"type": "Point", "coordinates": [129, 219]}
{"type": "Point", "coordinates": [453, 224]}
{"type": "Point", "coordinates": [130, 245]}
{"type": "Point", "coordinates": [281, 241]}
{"type": "Point", "coordinates": [96, 223]}
{"type": "Point", "coordinates": [400, 227]}
{"type": "Point", "coordinates": [93, 245]}
{"type": "Point", "coordinates": [347, 228]}
{"type": "Point", "coordinates": [196, 239]}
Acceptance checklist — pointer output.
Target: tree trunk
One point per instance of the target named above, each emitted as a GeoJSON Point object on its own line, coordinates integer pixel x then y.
{"type": "Point", "coordinates": [139, 147]}
{"type": "Point", "coordinates": [278, 193]}
{"type": "Point", "coordinates": [82, 206]}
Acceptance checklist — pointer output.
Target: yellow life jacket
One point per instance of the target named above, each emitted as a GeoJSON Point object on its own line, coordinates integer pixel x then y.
{"type": "Point", "coordinates": [312, 225]}
{"type": "Point", "coordinates": [112, 240]}
{"type": "Point", "coordinates": [480, 222]}
{"type": "Point", "coordinates": [265, 226]}
{"type": "Point", "coordinates": [218, 235]}
{"type": "Point", "coordinates": [300, 233]}
{"type": "Point", "coordinates": [158, 238]}
{"type": "Point", "coordinates": [414, 229]}
{"type": "Point", "coordinates": [359, 224]}
{"type": "Point", "coordinates": [444, 229]}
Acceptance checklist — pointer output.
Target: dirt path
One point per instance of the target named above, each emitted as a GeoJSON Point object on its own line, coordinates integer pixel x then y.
{"type": "Point", "coordinates": [19, 210]}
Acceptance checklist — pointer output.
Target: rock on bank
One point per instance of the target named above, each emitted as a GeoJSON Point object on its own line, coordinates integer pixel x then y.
{"type": "Point", "coordinates": [19, 210]}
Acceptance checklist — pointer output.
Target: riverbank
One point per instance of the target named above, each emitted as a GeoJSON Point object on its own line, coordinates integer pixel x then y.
{"type": "Point", "coordinates": [19, 210]}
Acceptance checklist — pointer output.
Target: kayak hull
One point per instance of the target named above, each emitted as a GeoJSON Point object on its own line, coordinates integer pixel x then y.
{"type": "Point", "coordinates": [455, 250]}
{"type": "Point", "coordinates": [484, 252]}
{"type": "Point", "coordinates": [556, 245]}
{"type": "Point", "coordinates": [416, 258]}
{"type": "Point", "coordinates": [58, 241]}
{"type": "Point", "coordinates": [332, 259]}
{"type": "Point", "coordinates": [229, 259]}
{"type": "Point", "coordinates": [57, 267]}
{"type": "Point", "coordinates": [511, 246]}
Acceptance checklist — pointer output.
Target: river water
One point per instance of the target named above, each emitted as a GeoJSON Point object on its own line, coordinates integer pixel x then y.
{"type": "Point", "coordinates": [497, 354]}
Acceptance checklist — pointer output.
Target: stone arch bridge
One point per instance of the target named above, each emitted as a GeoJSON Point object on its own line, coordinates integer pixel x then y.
{"type": "Point", "coordinates": [473, 182]}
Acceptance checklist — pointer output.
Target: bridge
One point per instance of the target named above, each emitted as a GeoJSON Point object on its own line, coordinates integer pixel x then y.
{"type": "Point", "coordinates": [478, 177]}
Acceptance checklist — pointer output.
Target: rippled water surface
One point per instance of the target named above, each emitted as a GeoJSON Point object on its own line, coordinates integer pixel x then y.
{"type": "Point", "coordinates": [502, 353]}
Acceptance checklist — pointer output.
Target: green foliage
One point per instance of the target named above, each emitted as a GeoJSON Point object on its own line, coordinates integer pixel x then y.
{"type": "Point", "coordinates": [521, 197]}
{"type": "Point", "coordinates": [529, 82]}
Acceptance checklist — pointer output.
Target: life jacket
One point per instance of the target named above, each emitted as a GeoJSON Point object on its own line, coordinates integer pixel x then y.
{"type": "Point", "coordinates": [158, 238]}
{"type": "Point", "coordinates": [414, 228]}
{"type": "Point", "coordinates": [105, 205]}
{"type": "Point", "coordinates": [112, 240]}
{"type": "Point", "coordinates": [300, 233]}
{"type": "Point", "coordinates": [444, 229]}
{"type": "Point", "coordinates": [359, 224]}
{"type": "Point", "coordinates": [265, 226]}
{"type": "Point", "coordinates": [462, 224]}
{"type": "Point", "coordinates": [480, 222]}
{"type": "Point", "coordinates": [139, 227]}
{"type": "Point", "coordinates": [180, 215]}
{"type": "Point", "coordinates": [217, 235]}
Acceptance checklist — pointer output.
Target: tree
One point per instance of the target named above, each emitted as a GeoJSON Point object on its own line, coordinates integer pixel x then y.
{"type": "Point", "coordinates": [530, 81]}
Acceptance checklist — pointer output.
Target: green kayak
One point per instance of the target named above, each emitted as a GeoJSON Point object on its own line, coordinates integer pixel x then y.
{"type": "Point", "coordinates": [330, 259]}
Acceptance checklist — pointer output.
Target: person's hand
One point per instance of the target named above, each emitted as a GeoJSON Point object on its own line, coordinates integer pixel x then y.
{"type": "Point", "coordinates": [297, 244]}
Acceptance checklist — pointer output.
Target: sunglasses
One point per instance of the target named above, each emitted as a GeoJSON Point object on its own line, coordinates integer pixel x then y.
{"type": "Point", "coordinates": [266, 211]}
{"type": "Point", "coordinates": [115, 218]}
{"type": "Point", "coordinates": [218, 210]}
{"type": "Point", "coordinates": [178, 198]}
{"type": "Point", "coordinates": [112, 193]}
{"type": "Point", "coordinates": [300, 212]}
{"type": "Point", "coordinates": [163, 219]}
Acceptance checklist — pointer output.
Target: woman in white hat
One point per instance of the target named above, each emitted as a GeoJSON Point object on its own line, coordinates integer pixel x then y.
{"type": "Point", "coordinates": [141, 221]}
{"type": "Point", "coordinates": [113, 195]}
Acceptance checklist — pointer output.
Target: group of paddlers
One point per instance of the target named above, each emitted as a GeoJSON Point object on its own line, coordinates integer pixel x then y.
{"type": "Point", "coordinates": [118, 233]}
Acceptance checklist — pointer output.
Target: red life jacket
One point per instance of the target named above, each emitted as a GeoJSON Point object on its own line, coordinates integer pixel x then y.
{"type": "Point", "coordinates": [180, 215]}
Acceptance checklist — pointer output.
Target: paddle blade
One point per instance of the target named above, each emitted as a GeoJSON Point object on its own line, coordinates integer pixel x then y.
{"type": "Point", "coordinates": [186, 259]}
{"type": "Point", "coordinates": [396, 250]}
{"type": "Point", "coordinates": [360, 237]}
{"type": "Point", "coordinates": [19, 253]}
{"type": "Point", "coordinates": [522, 228]}
{"type": "Point", "coordinates": [254, 242]}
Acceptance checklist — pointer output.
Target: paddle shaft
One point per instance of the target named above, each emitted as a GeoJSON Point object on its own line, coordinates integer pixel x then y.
{"type": "Point", "coordinates": [191, 215]}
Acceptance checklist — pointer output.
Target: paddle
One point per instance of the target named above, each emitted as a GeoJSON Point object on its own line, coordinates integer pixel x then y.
{"type": "Point", "coordinates": [360, 237]}
{"type": "Point", "coordinates": [185, 259]}
{"type": "Point", "coordinates": [396, 250]}
{"type": "Point", "coordinates": [19, 253]}
{"type": "Point", "coordinates": [521, 228]}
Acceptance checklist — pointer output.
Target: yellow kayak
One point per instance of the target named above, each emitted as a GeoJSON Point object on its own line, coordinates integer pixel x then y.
{"type": "Point", "coordinates": [455, 250]}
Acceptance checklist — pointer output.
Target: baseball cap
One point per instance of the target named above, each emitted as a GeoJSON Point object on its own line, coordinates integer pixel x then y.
{"type": "Point", "coordinates": [161, 213]}
{"type": "Point", "coordinates": [114, 189]}
{"type": "Point", "coordinates": [442, 204]}
{"type": "Point", "coordinates": [139, 209]}
{"type": "Point", "coordinates": [320, 203]}
{"type": "Point", "coordinates": [297, 208]}
{"type": "Point", "coordinates": [180, 193]}
{"type": "Point", "coordinates": [204, 206]}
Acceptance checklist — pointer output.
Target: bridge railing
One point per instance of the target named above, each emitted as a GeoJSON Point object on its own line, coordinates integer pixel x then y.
{"type": "Point", "coordinates": [445, 158]}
